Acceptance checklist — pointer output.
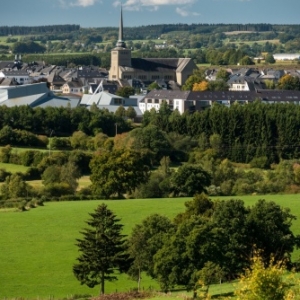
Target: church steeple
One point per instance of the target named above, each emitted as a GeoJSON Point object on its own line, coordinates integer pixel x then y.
{"type": "Point", "coordinates": [121, 42]}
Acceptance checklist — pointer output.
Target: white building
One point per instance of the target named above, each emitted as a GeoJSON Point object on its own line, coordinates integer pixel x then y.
{"type": "Point", "coordinates": [286, 56]}
{"type": "Point", "coordinates": [22, 77]}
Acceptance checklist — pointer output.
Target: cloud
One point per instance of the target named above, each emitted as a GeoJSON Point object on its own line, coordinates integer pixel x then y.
{"type": "Point", "coordinates": [185, 13]}
{"type": "Point", "coordinates": [82, 3]}
{"type": "Point", "coordinates": [157, 2]}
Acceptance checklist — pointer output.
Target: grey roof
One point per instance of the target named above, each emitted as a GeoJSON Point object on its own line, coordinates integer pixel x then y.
{"type": "Point", "coordinates": [102, 98]}
{"type": "Point", "coordinates": [264, 95]}
{"type": "Point", "coordinates": [155, 64]}
{"type": "Point", "coordinates": [168, 94]}
{"type": "Point", "coordinates": [15, 73]}
{"type": "Point", "coordinates": [33, 95]}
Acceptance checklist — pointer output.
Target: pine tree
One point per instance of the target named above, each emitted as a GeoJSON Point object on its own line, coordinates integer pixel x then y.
{"type": "Point", "coordinates": [103, 250]}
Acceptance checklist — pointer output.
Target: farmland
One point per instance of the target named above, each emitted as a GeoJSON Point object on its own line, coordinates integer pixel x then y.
{"type": "Point", "coordinates": [37, 247]}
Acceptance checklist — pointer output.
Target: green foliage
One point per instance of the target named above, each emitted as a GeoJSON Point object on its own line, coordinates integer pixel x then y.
{"type": "Point", "coordinates": [118, 172]}
{"type": "Point", "coordinates": [125, 91]}
{"type": "Point", "coordinates": [153, 86]}
{"type": "Point", "coordinates": [190, 180]}
{"type": "Point", "coordinates": [223, 234]}
{"type": "Point", "coordinates": [102, 249]}
{"type": "Point", "coordinates": [15, 187]}
{"type": "Point", "coordinates": [145, 240]}
{"type": "Point", "coordinates": [262, 282]}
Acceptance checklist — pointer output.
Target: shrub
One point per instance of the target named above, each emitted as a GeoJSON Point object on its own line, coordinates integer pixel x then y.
{"type": "Point", "coordinates": [58, 189]}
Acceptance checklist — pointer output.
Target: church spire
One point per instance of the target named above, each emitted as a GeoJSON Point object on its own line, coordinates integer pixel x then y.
{"type": "Point", "coordinates": [121, 42]}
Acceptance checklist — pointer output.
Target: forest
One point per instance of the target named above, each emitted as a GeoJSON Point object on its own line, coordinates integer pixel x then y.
{"type": "Point", "coordinates": [201, 42]}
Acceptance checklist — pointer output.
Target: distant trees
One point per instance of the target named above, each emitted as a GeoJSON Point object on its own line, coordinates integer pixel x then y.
{"type": "Point", "coordinates": [28, 47]}
{"type": "Point", "coordinates": [289, 82]}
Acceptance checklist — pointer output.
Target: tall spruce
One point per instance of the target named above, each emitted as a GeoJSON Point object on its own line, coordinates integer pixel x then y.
{"type": "Point", "coordinates": [102, 249]}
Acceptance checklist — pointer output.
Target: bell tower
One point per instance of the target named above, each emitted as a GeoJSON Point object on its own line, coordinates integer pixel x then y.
{"type": "Point", "coordinates": [120, 55]}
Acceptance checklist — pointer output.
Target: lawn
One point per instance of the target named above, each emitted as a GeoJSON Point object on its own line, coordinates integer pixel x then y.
{"type": "Point", "coordinates": [13, 168]}
{"type": "Point", "coordinates": [37, 248]}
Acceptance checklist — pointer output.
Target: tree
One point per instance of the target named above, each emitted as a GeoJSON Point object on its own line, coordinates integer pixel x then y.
{"type": "Point", "coordinates": [125, 91]}
{"type": "Point", "coordinates": [102, 249]}
{"type": "Point", "coordinates": [201, 86]}
{"type": "Point", "coordinates": [270, 59]}
{"type": "Point", "coordinates": [117, 172]}
{"type": "Point", "coordinates": [120, 112]}
{"type": "Point", "coordinates": [289, 82]}
{"type": "Point", "coordinates": [198, 76]}
{"type": "Point", "coordinates": [190, 180]}
{"type": "Point", "coordinates": [130, 113]}
{"type": "Point", "coordinates": [223, 74]}
{"type": "Point", "coordinates": [145, 240]}
{"type": "Point", "coordinates": [246, 61]}
{"type": "Point", "coordinates": [153, 86]}
{"type": "Point", "coordinates": [266, 283]}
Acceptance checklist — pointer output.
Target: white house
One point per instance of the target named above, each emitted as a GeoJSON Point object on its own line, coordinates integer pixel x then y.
{"type": "Point", "coordinates": [22, 77]}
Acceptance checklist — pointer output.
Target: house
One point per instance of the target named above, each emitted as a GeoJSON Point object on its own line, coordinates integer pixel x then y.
{"type": "Point", "coordinates": [111, 102]}
{"type": "Point", "coordinates": [123, 66]}
{"type": "Point", "coordinates": [244, 83]}
{"type": "Point", "coordinates": [6, 82]}
{"type": "Point", "coordinates": [193, 101]}
{"type": "Point", "coordinates": [176, 100]}
{"type": "Point", "coordinates": [21, 76]}
{"type": "Point", "coordinates": [73, 87]}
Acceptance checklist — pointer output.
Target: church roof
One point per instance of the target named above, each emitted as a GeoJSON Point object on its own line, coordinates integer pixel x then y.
{"type": "Point", "coordinates": [156, 64]}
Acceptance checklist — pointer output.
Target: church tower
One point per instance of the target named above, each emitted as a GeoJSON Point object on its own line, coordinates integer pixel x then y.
{"type": "Point", "coordinates": [120, 55]}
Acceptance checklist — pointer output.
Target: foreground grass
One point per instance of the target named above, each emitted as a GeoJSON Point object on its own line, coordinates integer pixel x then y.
{"type": "Point", "coordinates": [37, 248]}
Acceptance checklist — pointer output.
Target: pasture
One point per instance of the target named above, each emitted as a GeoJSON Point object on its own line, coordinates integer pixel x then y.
{"type": "Point", "coordinates": [37, 247]}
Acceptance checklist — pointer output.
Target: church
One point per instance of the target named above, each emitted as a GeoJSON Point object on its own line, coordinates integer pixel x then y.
{"type": "Point", "coordinates": [124, 67]}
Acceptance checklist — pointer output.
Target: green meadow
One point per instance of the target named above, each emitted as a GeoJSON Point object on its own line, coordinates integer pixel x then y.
{"type": "Point", "coordinates": [37, 247]}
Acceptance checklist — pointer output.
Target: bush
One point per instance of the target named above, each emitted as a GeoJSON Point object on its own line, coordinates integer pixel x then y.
{"type": "Point", "coordinates": [57, 189]}
{"type": "Point", "coordinates": [3, 175]}
{"type": "Point", "coordinates": [260, 162]}
{"type": "Point", "coordinates": [60, 143]}
{"type": "Point", "coordinates": [32, 173]}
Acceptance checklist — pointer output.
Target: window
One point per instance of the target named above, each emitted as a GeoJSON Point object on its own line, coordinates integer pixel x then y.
{"type": "Point", "coordinates": [127, 76]}
{"type": "Point", "coordinates": [155, 76]}
{"type": "Point", "coordinates": [118, 101]}
{"type": "Point", "coordinates": [149, 100]}
{"type": "Point", "coordinates": [156, 100]}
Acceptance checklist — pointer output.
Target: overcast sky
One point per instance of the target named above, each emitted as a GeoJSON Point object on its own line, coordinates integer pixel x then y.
{"type": "Point", "coordinates": [101, 13]}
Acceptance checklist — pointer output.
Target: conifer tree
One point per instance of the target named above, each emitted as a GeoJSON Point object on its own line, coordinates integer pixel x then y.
{"type": "Point", "coordinates": [102, 248]}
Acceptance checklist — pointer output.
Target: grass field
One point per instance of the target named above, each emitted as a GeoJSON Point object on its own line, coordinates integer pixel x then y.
{"type": "Point", "coordinates": [37, 248]}
{"type": "Point", "coordinates": [13, 168]}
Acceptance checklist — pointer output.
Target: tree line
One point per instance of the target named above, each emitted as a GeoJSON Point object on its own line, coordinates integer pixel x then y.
{"type": "Point", "coordinates": [24, 30]}
{"type": "Point", "coordinates": [242, 132]}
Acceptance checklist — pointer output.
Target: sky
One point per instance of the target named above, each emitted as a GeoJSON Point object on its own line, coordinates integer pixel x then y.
{"type": "Point", "coordinates": [103, 13]}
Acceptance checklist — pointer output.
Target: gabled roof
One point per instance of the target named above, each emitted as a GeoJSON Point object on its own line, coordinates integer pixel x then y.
{"type": "Point", "coordinates": [102, 98]}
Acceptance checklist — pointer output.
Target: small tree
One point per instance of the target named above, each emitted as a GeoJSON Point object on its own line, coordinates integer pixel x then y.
{"type": "Point", "coordinates": [265, 283]}
{"type": "Point", "coordinates": [102, 249]}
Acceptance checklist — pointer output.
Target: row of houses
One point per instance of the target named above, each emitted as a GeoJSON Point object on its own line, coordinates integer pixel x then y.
{"type": "Point", "coordinates": [38, 95]}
